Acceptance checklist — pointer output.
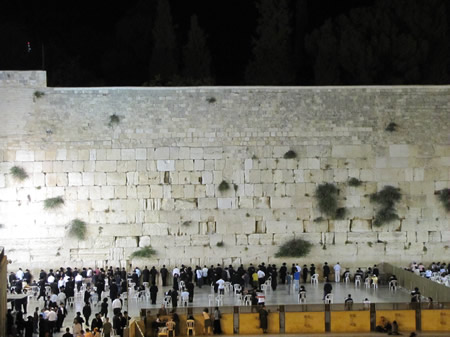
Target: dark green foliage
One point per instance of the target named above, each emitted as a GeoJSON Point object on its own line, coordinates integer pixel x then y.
{"type": "Point", "coordinates": [294, 248]}
{"type": "Point", "coordinates": [220, 244]}
{"type": "Point", "coordinates": [52, 203]}
{"type": "Point", "coordinates": [389, 42]}
{"type": "Point", "coordinates": [78, 229]}
{"type": "Point", "coordinates": [224, 186]}
{"type": "Point", "coordinates": [186, 223]}
{"type": "Point", "coordinates": [326, 196]}
{"type": "Point", "coordinates": [236, 187]}
{"type": "Point", "coordinates": [163, 62]}
{"type": "Point", "coordinates": [211, 100]}
{"type": "Point", "coordinates": [318, 219]}
{"type": "Point", "coordinates": [272, 49]}
{"type": "Point", "coordinates": [386, 199]}
{"type": "Point", "coordinates": [444, 198]}
{"type": "Point", "coordinates": [290, 155]}
{"type": "Point", "coordinates": [354, 182]}
{"type": "Point", "coordinates": [341, 212]}
{"type": "Point", "coordinates": [39, 94]}
{"type": "Point", "coordinates": [144, 252]}
{"type": "Point", "coordinates": [391, 127]}
{"type": "Point", "coordinates": [18, 173]}
{"type": "Point", "coordinates": [196, 56]}
{"type": "Point", "coordinates": [114, 120]}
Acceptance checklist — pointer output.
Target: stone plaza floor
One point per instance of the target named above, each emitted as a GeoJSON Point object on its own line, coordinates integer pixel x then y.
{"type": "Point", "coordinates": [314, 295]}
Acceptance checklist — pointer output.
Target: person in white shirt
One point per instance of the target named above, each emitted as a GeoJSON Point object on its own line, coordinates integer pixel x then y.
{"type": "Point", "coordinates": [337, 273]}
{"type": "Point", "coordinates": [261, 277]}
{"type": "Point", "coordinates": [61, 283]}
{"type": "Point", "coordinates": [50, 279]}
{"type": "Point", "coordinates": [299, 269]}
{"type": "Point", "coordinates": [19, 274]}
{"type": "Point", "coordinates": [117, 305]}
{"type": "Point", "coordinates": [199, 275]}
{"type": "Point", "coordinates": [205, 274]}
{"type": "Point", "coordinates": [62, 298]}
{"type": "Point", "coordinates": [221, 286]}
{"type": "Point", "coordinates": [52, 317]}
{"type": "Point", "coordinates": [78, 281]}
{"type": "Point", "coordinates": [176, 270]}
{"type": "Point", "coordinates": [53, 299]}
{"type": "Point", "coordinates": [184, 296]}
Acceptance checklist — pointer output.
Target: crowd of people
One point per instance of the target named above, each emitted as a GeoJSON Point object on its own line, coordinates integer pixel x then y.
{"type": "Point", "coordinates": [57, 289]}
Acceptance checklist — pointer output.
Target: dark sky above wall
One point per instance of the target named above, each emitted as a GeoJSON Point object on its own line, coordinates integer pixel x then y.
{"type": "Point", "coordinates": [228, 42]}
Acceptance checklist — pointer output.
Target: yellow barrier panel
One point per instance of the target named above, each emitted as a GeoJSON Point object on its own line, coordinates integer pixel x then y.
{"type": "Point", "coordinates": [249, 324]}
{"type": "Point", "coordinates": [435, 320]}
{"type": "Point", "coordinates": [310, 322]}
{"type": "Point", "coordinates": [350, 321]}
{"type": "Point", "coordinates": [406, 319]}
{"type": "Point", "coordinates": [226, 323]}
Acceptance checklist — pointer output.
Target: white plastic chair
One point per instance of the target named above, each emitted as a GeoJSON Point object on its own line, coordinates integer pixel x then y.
{"type": "Point", "coordinates": [185, 300]}
{"type": "Point", "coordinates": [211, 299]}
{"type": "Point", "coordinates": [347, 278]}
{"type": "Point", "coordinates": [315, 279]}
{"type": "Point", "coordinates": [227, 287]}
{"type": "Point", "coordinates": [329, 299]}
{"type": "Point", "coordinates": [357, 280]}
{"type": "Point", "coordinates": [301, 297]}
{"type": "Point", "coordinates": [367, 282]}
{"type": "Point", "coordinates": [237, 289]}
{"type": "Point", "coordinates": [264, 288]}
{"type": "Point", "coordinates": [248, 300]}
{"type": "Point", "coordinates": [167, 301]}
{"type": "Point", "coordinates": [219, 300]}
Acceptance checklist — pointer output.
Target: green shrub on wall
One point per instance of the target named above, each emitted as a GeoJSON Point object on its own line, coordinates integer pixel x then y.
{"type": "Point", "coordinates": [145, 252]}
{"type": "Point", "coordinates": [18, 173]}
{"type": "Point", "coordinates": [78, 229]}
{"type": "Point", "coordinates": [224, 186]}
{"type": "Point", "coordinates": [386, 199]}
{"type": "Point", "coordinates": [294, 248]}
{"type": "Point", "coordinates": [444, 198]}
{"type": "Point", "coordinates": [52, 203]}
{"type": "Point", "coordinates": [326, 196]}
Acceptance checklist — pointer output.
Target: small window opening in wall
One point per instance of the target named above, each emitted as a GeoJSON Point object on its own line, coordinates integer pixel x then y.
{"type": "Point", "coordinates": [260, 226]}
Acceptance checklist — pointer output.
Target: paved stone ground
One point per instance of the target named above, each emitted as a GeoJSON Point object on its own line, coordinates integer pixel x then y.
{"type": "Point", "coordinates": [280, 296]}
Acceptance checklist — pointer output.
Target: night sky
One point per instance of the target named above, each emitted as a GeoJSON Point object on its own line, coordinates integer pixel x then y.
{"type": "Point", "coordinates": [99, 43]}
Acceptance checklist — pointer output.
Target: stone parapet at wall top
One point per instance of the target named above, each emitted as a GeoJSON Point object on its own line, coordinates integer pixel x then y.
{"type": "Point", "coordinates": [34, 79]}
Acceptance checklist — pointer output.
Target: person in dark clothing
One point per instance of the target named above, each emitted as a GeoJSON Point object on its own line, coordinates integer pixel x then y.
{"type": "Point", "coordinates": [36, 320]}
{"type": "Point", "coordinates": [326, 271]}
{"type": "Point", "coordinates": [29, 327]}
{"type": "Point", "coordinates": [153, 293]}
{"type": "Point", "coordinates": [117, 324]}
{"type": "Point", "coordinates": [100, 284]}
{"type": "Point", "coordinates": [104, 308]}
{"type": "Point", "coordinates": [164, 272]}
{"type": "Point", "coordinates": [312, 269]}
{"type": "Point", "coordinates": [9, 322]}
{"type": "Point", "coordinates": [305, 273]}
{"type": "Point", "coordinates": [174, 296]}
{"type": "Point", "coordinates": [41, 289]}
{"type": "Point", "coordinates": [190, 288]}
{"type": "Point", "coordinates": [87, 311]}
{"type": "Point", "coordinates": [283, 272]}
{"type": "Point", "coordinates": [20, 322]}
{"type": "Point", "coordinates": [263, 318]}
{"type": "Point", "coordinates": [113, 290]}
{"type": "Point", "coordinates": [146, 275]}
{"type": "Point", "coordinates": [67, 334]}
{"type": "Point", "coordinates": [327, 288]}
{"type": "Point", "coordinates": [153, 273]}
{"type": "Point", "coordinates": [175, 282]}
{"type": "Point", "coordinates": [43, 326]}
{"type": "Point", "coordinates": [79, 318]}
{"type": "Point", "coordinates": [375, 271]}
{"type": "Point", "coordinates": [97, 322]}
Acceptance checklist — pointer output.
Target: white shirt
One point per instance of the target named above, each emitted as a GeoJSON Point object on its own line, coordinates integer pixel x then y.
{"type": "Point", "coordinates": [89, 273]}
{"type": "Point", "coordinates": [61, 297]}
{"type": "Point", "coordinates": [116, 304]}
{"type": "Point", "coordinates": [337, 268]}
{"type": "Point", "coordinates": [61, 283]}
{"type": "Point", "coordinates": [19, 274]}
{"type": "Point", "coordinates": [52, 316]}
{"type": "Point", "coordinates": [175, 271]}
{"type": "Point", "coordinates": [199, 273]}
{"type": "Point", "coordinates": [205, 272]}
{"type": "Point", "coordinates": [78, 278]}
{"type": "Point", "coordinates": [51, 279]}
{"type": "Point", "coordinates": [53, 298]}
{"type": "Point", "coordinates": [221, 284]}
{"type": "Point", "coordinates": [261, 274]}
{"type": "Point", "coordinates": [299, 269]}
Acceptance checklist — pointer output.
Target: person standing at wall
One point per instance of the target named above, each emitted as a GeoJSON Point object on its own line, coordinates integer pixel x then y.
{"type": "Point", "coordinates": [288, 282]}
{"type": "Point", "coordinates": [283, 272]}
{"type": "Point", "coordinates": [326, 271]}
{"type": "Point", "coordinates": [337, 273]}
{"type": "Point", "coordinates": [164, 272]}
{"type": "Point", "coordinates": [217, 330]}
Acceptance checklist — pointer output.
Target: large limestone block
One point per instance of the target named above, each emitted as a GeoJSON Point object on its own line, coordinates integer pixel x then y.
{"type": "Point", "coordinates": [392, 237]}
{"type": "Point", "coordinates": [155, 228]}
{"type": "Point", "coordinates": [351, 151]}
{"type": "Point", "coordinates": [126, 242]}
{"type": "Point", "coordinates": [122, 230]}
{"type": "Point", "coordinates": [105, 166]}
{"type": "Point", "coordinates": [182, 240]}
{"type": "Point", "coordinates": [399, 150]}
{"type": "Point", "coordinates": [359, 225]}
{"type": "Point", "coordinates": [280, 202]}
{"type": "Point", "coordinates": [315, 226]}
{"type": "Point", "coordinates": [363, 237]}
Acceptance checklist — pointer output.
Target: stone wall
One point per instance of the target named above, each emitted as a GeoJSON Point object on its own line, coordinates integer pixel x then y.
{"type": "Point", "coordinates": [153, 177]}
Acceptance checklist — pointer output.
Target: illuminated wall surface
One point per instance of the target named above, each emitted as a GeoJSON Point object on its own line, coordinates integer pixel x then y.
{"type": "Point", "coordinates": [142, 166]}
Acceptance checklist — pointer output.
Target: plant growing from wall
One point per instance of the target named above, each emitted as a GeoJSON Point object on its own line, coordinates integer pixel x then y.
{"type": "Point", "coordinates": [220, 244]}
{"type": "Point", "coordinates": [18, 173]}
{"type": "Point", "coordinates": [444, 198]}
{"type": "Point", "coordinates": [78, 229]}
{"type": "Point", "coordinates": [52, 203]}
{"type": "Point", "coordinates": [211, 100]}
{"type": "Point", "coordinates": [186, 223]}
{"type": "Point", "coordinates": [38, 94]}
{"type": "Point", "coordinates": [290, 155]}
{"type": "Point", "coordinates": [114, 120]}
{"type": "Point", "coordinates": [354, 182]}
{"type": "Point", "coordinates": [341, 212]}
{"type": "Point", "coordinates": [391, 127]}
{"type": "Point", "coordinates": [144, 252]}
{"type": "Point", "coordinates": [224, 186]}
{"type": "Point", "coordinates": [294, 248]}
{"type": "Point", "coordinates": [386, 199]}
{"type": "Point", "coordinates": [326, 196]}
